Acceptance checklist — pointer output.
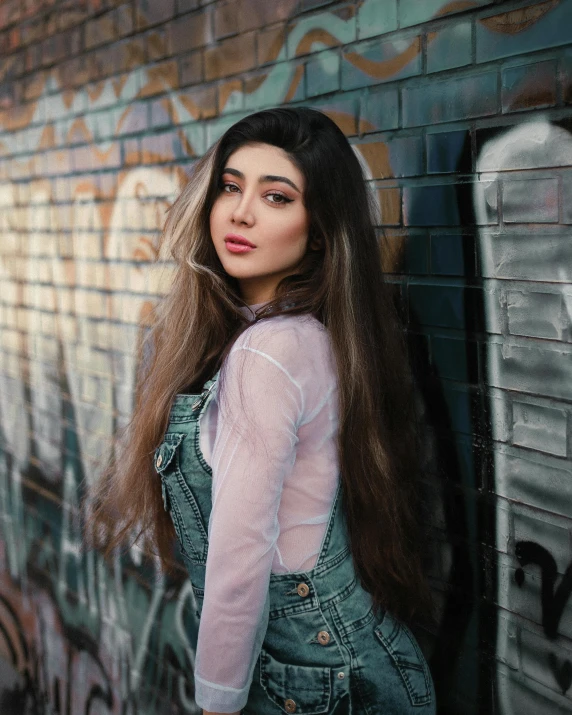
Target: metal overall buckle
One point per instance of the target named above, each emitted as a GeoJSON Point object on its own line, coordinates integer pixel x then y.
{"type": "Point", "coordinates": [201, 401]}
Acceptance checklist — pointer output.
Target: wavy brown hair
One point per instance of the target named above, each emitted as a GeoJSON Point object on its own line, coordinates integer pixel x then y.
{"type": "Point", "coordinates": [342, 285]}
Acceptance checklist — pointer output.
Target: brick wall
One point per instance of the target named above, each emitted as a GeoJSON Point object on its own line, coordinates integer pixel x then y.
{"type": "Point", "coordinates": [462, 115]}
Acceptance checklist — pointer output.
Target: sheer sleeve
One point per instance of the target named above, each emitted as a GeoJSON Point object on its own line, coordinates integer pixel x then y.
{"type": "Point", "coordinates": [260, 407]}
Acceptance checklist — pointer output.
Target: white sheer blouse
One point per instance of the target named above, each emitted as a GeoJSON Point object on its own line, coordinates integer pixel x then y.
{"type": "Point", "coordinates": [269, 435]}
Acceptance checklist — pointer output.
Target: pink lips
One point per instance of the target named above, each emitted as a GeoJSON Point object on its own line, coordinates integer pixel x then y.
{"type": "Point", "coordinates": [238, 244]}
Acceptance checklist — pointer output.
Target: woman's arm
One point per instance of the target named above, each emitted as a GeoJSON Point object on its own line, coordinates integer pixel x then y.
{"type": "Point", "coordinates": [254, 451]}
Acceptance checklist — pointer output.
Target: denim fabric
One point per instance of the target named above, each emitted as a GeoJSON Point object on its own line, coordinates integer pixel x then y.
{"type": "Point", "coordinates": [324, 651]}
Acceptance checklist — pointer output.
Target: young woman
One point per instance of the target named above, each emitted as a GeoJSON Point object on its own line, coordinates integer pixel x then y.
{"type": "Point", "coordinates": [273, 431]}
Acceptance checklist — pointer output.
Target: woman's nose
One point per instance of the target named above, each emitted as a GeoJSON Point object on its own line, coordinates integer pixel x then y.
{"type": "Point", "coordinates": [242, 212]}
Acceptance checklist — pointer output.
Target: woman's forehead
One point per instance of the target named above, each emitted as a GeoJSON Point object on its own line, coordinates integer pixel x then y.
{"type": "Point", "coordinates": [265, 159]}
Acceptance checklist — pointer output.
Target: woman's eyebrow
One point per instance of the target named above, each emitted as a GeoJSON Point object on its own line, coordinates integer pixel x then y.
{"type": "Point", "coordinates": [263, 179]}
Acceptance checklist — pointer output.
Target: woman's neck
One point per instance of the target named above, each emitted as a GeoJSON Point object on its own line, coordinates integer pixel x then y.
{"type": "Point", "coordinates": [249, 310]}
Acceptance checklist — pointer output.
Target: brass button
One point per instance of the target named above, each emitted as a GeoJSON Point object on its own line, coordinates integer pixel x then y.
{"type": "Point", "coordinates": [303, 590]}
{"type": "Point", "coordinates": [159, 460]}
{"type": "Point", "coordinates": [323, 637]}
{"type": "Point", "coordinates": [290, 706]}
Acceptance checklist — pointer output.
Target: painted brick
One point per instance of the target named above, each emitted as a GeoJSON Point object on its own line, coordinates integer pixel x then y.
{"type": "Point", "coordinates": [502, 35]}
{"type": "Point", "coordinates": [151, 12]}
{"type": "Point", "coordinates": [458, 399]}
{"type": "Point", "coordinates": [449, 47]}
{"type": "Point", "coordinates": [124, 20]}
{"type": "Point", "coordinates": [390, 205]}
{"type": "Point", "coordinates": [529, 86]}
{"type": "Point", "coordinates": [216, 129]}
{"type": "Point", "coordinates": [379, 109]}
{"type": "Point", "coordinates": [449, 355]}
{"type": "Point", "coordinates": [413, 252]}
{"type": "Point", "coordinates": [191, 68]}
{"type": "Point", "coordinates": [537, 315]}
{"type": "Point", "coordinates": [375, 61]}
{"type": "Point", "coordinates": [258, 13]}
{"type": "Point", "coordinates": [270, 43]}
{"type": "Point", "coordinates": [134, 119]}
{"type": "Point", "coordinates": [453, 255]}
{"type": "Point", "coordinates": [313, 4]}
{"type": "Point", "coordinates": [342, 109]}
{"type": "Point", "coordinates": [54, 49]}
{"type": "Point", "coordinates": [374, 19]}
{"type": "Point", "coordinates": [444, 150]}
{"type": "Point", "coordinates": [295, 91]}
{"type": "Point", "coordinates": [98, 65]}
{"type": "Point", "coordinates": [160, 113]}
{"type": "Point", "coordinates": [187, 5]}
{"type": "Point", "coordinates": [331, 28]}
{"type": "Point", "coordinates": [539, 428]}
{"type": "Point", "coordinates": [541, 481]}
{"type": "Point", "coordinates": [74, 72]}
{"type": "Point", "coordinates": [253, 98]}
{"type": "Point", "coordinates": [539, 370]}
{"type": "Point", "coordinates": [34, 86]}
{"type": "Point", "coordinates": [128, 54]}
{"type": "Point", "coordinates": [544, 529]}
{"type": "Point", "coordinates": [161, 77]}
{"type": "Point", "coordinates": [237, 54]}
{"type": "Point", "coordinates": [530, 201]}
{"type": "Point", "coordinates": [199, 102]}
{"type": "Point", "coordinates": [406, 156]}
{"type": "Point", "coordinates": [500, 415]}
{"type": "Point", "coordinates": [226, 18]}
{"type": "Point", "coordinates": [529, 145]}
{"type": "Point", "coordinates": [439, 305]}
{"type": "Point", "coordinates": [190, 32]}
{"type": "Point", "coordinates": [542, 663]}
{"type": "Point", "coordinates": [529, 255]}
{"type": "Point", "coordinates": [451, 99]}
{"type": "Point", "coordinates": [567, 197]}
{"type": "Point", "coordinates": [376, 157]}
{"type": "Point", "coordinates": [158, 43]}
{"type": "Point", "coordinates": [230, 96]}
{"type": "Point", "coordinates": [526, 695]}
{"type": "Point", "coordinates": [430, 205]}
{"type": "Point", "coordinates": [323, 73]}
{"type": "Point", "coordinates": [100, 30]}
{"type": "Point", "coordinates": [156, 148]}
{"type": "Point", "coordinates": [413, 12]}
{"type": "Point", "coordinates": [565, 77]}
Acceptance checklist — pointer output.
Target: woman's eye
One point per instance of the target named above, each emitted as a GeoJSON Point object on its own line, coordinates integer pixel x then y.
{"type": "Point", "coordinates": [276, 198]}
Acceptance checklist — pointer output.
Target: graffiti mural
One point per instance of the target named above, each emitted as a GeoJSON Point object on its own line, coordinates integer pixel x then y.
{"type": "Point", "coordinates": [461, 115]}
{"type": "Point", "coordinates": [530, 388]}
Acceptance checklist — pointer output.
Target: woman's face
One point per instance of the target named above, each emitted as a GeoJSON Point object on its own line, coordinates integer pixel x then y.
{"type": "Point", "coordinates": [260, 201]}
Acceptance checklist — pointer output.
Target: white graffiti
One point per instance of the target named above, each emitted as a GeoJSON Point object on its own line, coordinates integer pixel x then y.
{"type": "Point", "coordinates": [530, 389]}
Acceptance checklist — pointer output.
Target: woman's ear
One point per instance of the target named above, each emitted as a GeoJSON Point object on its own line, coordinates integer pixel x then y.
{"type": "Point", "coordinates": [314, 242]}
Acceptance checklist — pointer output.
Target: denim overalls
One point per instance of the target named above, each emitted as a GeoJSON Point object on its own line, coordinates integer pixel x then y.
{"type": "Point", "coordinates": [324, 650]}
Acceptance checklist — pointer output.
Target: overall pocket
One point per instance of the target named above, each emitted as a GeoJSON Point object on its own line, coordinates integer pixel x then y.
{"type": "Point", "coordinates": [305, 690]}
{"type": "Point", "coordinates": [405, 653]}
{"type": "Point", "coordinates": [179, 500]}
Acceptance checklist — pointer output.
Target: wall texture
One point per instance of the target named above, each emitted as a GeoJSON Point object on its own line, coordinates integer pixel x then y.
{"type": "Point", "coordinates": [462, 113]}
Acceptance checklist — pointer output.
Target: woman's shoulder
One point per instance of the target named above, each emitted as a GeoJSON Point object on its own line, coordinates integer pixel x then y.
{"type": "Point", "coordinates": [282, 330]}
{"type": "Point", "coordinates": [286, 338]}
{"type": "Point", "coordinates": [298, 346]}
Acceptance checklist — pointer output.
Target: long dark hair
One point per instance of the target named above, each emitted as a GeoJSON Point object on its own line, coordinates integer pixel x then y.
{"type": "Point", "coordinates": [342, 284]}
